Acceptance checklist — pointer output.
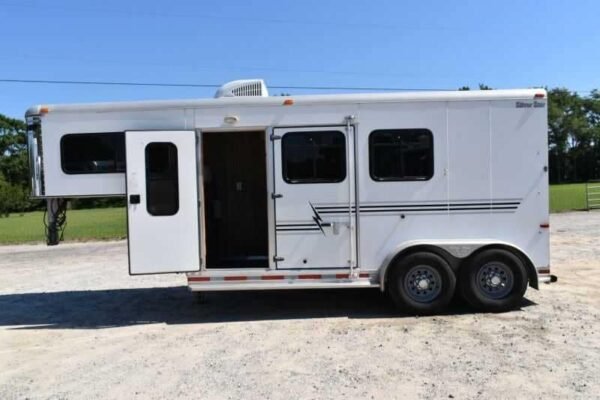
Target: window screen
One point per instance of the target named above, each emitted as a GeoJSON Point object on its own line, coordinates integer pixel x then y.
{"type": "Point", "coordinates": [401, 155]}
{"type": "Point", "coordinates": [93, 153]}
{"type": "Point", "coordinates": [162, 181]}
{"type": "Point", "coordinates": [314, 157]}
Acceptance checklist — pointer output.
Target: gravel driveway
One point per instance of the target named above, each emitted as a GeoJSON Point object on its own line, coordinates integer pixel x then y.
{"type": "Point", "coordinates": [73, 324]}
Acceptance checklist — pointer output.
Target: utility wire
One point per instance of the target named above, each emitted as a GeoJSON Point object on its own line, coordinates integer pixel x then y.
{"type": "Point", "coordinates": [217, 85]}
{"type": "Point", "coordinates": [208, 85]}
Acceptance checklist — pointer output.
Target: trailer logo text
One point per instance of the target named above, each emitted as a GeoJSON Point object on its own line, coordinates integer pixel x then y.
{"type": "Point", "coordinates": [527, 104]}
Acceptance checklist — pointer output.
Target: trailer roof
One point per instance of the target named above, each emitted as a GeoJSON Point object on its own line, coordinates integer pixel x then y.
{"type": "Point", "coordinates": [299, 100]}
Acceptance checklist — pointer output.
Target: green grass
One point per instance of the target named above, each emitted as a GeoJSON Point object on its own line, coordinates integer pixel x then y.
{"type": "Point", "coordinates": [97, 224]}
{"type": "Point", "coordinates": [567, 197]}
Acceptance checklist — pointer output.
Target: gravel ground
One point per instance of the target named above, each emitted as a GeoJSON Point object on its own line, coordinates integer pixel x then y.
{"type": "Point", "coordinates": [73, 324]}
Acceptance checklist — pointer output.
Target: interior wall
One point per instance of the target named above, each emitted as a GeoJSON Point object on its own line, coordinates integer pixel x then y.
{"type": "Point", "coordinates": [235, 192]}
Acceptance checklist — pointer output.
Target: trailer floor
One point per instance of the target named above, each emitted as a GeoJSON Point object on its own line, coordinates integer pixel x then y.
{"type": "Point", "coordinates": [73, 324]}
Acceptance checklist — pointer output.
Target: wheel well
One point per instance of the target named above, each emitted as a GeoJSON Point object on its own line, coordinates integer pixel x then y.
{"type": "Point", "coordinates": [455, 262]}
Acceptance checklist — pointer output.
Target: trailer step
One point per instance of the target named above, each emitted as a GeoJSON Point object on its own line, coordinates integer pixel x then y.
{"type": "Point", "coordinates": [275, 282]}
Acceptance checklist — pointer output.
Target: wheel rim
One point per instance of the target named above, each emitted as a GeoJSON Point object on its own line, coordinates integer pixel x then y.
{"type": "Point", "coordinates": [495, 280]}
{"type": "Point", "coordinates": [423, 283]}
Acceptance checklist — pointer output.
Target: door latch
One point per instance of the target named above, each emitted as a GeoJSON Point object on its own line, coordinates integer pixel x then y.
{"type": "Point", "coordinates": [276, 196]}
{"type": "Point", "coordinates": [134, 199]}
{"type": "Point", "coordinates": [278, 259]}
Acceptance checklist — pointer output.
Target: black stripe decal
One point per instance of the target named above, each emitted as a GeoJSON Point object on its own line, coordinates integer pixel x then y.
{"type": "Point", "coordinates": [422, 210]}
{"type": "Point", "coordinates": [296, 225]}
{"type": "Point", "coordinates": [499, 206]}
{"type": "Point", "coordinates": [298, 229]}
{"type": "Point", "coordinates": [389, 210]}
{"type": "Point", "coordinates": [364, 207]}
{"type": "Point", "coordinates": [442, 205]}
{"type": "Point", "coordinates": [439, 209]}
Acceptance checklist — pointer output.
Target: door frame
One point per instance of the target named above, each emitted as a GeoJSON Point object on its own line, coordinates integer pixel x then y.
{"type": "Point", "coordinates": [269, 183]}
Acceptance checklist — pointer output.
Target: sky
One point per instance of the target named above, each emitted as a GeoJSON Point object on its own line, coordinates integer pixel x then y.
{"type": "Point", "coordinates": [427, 44]}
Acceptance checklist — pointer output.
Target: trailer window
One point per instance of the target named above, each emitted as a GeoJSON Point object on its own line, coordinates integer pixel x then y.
{"type": "Point", "coordinates": [162, 180]}
{"type": "Point", "coordinates": [314, 157]}
{"type": "Point", "coordinates": [401, 155]}
{"type": "Point", "coordinates": [93, 153]}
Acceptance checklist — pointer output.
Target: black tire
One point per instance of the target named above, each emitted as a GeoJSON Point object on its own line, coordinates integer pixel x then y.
{"type": "Point", "coordinates": [199, 297]}
{"type": "Point", "coordinates": [494, 280]}
{"type": "Point", "coordinates": [404, 282]}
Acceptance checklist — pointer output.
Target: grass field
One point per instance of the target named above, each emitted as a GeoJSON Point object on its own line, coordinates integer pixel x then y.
{"type": "Point", "coordinates": [567, 197]}
{"type": "Point", "coordinates": [110, 223]}
{"type": "Point", "coordinates": [102, 223]}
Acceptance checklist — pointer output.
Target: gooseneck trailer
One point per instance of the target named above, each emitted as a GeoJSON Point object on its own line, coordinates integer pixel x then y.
{"type": "Point", "coordinates": [420, 194]}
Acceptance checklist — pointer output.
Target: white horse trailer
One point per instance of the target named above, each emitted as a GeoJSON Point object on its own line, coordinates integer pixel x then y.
{"type": "Point", "coordinates": [415, 193]}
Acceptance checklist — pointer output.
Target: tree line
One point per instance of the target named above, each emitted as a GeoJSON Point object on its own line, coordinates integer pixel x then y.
{"type": "Point", "coordinates": [573, 150]}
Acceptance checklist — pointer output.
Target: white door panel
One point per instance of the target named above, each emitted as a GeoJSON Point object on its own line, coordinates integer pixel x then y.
{"type": "Point", "coordinates": [162, 195]}
{"type": "Point", "coordinates": [313, 219]}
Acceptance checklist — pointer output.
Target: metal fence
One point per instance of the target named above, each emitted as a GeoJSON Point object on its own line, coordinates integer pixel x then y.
{"type": "Point", "coordinates": [592, 194]}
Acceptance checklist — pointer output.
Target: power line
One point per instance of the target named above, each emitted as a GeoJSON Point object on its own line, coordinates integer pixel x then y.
{"type": "Point", "coordinates": [80, 60]}
{"type": "Point", "coordinates": [217, 85]}
{"type": "Point", "coordinates": [111, 83]}
{"type": "Point", "coordinates": [208, 85]}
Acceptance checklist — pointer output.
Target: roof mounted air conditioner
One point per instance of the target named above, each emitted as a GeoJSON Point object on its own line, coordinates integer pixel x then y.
{"type": "Point", "coordinates": [244, 87]}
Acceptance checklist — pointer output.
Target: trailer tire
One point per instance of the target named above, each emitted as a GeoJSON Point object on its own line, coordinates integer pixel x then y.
{"type": "Point", "coordinates": [199, 297]}
{"type": "Point", "coordinates": [421, 283]}
{"type": "Point", "coordinates": [494, 280]}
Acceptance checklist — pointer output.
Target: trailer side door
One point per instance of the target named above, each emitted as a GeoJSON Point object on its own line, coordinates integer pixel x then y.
{"type": "Point", "coordinates": [314, 197]}
{"type": "Point", "coordinates": [162, 202]}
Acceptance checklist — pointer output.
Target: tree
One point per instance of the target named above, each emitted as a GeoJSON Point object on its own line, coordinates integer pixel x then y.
{"type": "Point", "coordinates": [482, 86]}
{"type": "Point", "coordinates": [566, 132]}
{"type": "Point", "coordinates": [14, 168]}
{"type": "Point", "coordinates": [13, 150]}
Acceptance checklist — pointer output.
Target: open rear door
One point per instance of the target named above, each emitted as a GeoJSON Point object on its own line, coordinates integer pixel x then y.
{"type": "Point", "coordinates": [162, 202]}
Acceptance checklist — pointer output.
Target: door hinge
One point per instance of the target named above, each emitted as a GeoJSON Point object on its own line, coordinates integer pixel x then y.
{"type": "Point", "coordinates": [276, 196]}
{"type": "Point", "coordinates": [278, 259]}
{"type": "Point", "coordinates": [275, 137]}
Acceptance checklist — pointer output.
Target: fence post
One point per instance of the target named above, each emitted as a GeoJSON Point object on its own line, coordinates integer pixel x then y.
{"type": "Point", "coordinates": [587, 196]}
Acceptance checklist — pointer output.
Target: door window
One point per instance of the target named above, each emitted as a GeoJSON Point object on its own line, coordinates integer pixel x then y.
{"type": "Point", "coordinates": [314, 157]}
{"type": "Point", "coordinates": [162, 181]}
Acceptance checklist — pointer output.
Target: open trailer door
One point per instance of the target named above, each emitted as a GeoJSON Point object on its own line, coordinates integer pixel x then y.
{"type": "Point", "coordinates": [162, 202]}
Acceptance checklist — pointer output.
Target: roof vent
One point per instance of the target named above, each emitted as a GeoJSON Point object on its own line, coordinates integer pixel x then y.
{"type": "Point", "coordinates": [245, 87]}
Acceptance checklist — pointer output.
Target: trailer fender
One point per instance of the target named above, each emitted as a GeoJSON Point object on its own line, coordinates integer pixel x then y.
{"type": "Point", "coordinates": [455, 252]}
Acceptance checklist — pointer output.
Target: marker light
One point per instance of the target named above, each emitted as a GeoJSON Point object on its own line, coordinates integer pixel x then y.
{"type": "Point", "coordinates": [231, 119]}
{"type": "Point", "coordinates": [288, 102]}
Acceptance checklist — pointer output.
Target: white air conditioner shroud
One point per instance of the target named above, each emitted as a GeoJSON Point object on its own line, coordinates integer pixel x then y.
{"type": "Point", "coordinates": [244, 87]}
